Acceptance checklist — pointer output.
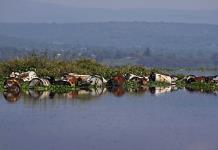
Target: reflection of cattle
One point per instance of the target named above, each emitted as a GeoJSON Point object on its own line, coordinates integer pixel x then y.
{"type": "Point", "coordinates": [25, 76]}
{"type": "Point", "coordinates": [161, 90]}
{"type": "Point", "coordinates": [140, 90]}
{"type": "Point", "coordinates": [12, 94]}
{"type": "Point", "coordinates": [160, 78]}
{"type": "Point", "coordinates": [98, 91]}
{"type": "Point", "coordinates": [118, 80]}
{"type": "Point", "coordinates": [39, 82]}
{"type": "Point", "coordinates": [117, 90]}
{"type": "Point", "coordinates": [39, 94]}
{"type": "Point", "coordinates": [138, 79]}
{"type": "Point", "coordinates": [93, 92]}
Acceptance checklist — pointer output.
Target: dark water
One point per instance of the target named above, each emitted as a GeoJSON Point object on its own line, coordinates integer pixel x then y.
{"type": "Point", "coordinates": [178, 120]}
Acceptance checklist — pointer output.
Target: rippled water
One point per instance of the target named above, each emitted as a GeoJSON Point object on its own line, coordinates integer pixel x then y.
{"type": "Point", "coordinates": [178, 120]}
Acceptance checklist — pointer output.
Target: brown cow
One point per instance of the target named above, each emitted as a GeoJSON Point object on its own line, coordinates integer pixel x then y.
{"type": "Point", "coordinates": [12, 82]}
{"type": "Point", "coordinates": [71, 79]}
{"type": "Point", "coordinates": [117, 80]}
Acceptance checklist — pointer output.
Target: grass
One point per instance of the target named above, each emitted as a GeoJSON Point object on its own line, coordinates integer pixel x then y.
{"type": "Point", "coordinates": [44, 66]}
{"type": "Point", "coordinates": [205, 87]}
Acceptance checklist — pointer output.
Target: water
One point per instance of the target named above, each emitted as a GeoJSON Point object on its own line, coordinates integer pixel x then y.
{"type": "Point", "coordinates": [196, 72]}
{"type": "Point", "coordinates": [169, 120]}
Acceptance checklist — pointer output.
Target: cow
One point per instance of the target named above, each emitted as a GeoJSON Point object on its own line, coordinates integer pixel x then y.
{"type": "Point", "coordinates": [138, 79]}
{"type": "Point", "coordinates": [80, 77]}
{"type": "Point", "coordinates": [39, 82]}
{"type": "Point", "coordinates": [117, 80]}
{"type": "Point", "coordinates": [96, 80]}
{"type": "Point", "coordinates": [212, 79]}
{"type": "Point", "coordinates": [71, 79]}
{"type": "Point", "coordinates": [12, 83]}
{"type": "Point", "coordinates": [24, 76]}
{"type": "Point", "coordinates": [86, 80]}
{"type": "Point", "coordinates": [161, 78]}
{"type": "Point", "coordinates": [192, 78]}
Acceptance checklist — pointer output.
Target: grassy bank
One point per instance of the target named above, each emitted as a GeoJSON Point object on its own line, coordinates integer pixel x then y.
{"type": "Point", "coordinates": [47, 67]}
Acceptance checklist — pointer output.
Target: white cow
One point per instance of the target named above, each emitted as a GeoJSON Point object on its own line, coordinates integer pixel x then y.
{"type": "Point", "coordinates": [25, 76]}
{"type": "Point", "coordinates": [161, 78]}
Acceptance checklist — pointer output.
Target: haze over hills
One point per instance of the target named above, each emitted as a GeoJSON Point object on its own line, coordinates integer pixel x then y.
{"type": "Point", "coordinates": [151, 36]}
{"type": "Point", "coordinates": [153, 44]}
{"type": "Point", "coordinates": [38, 11]}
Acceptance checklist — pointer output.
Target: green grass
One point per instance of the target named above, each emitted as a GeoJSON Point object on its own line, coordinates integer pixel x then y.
{"type": "Point", "coordinates": [44, 66]}
{"type": "Point", "coordinates": [207, 87]}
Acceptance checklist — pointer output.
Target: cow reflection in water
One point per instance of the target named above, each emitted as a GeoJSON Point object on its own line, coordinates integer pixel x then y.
{"type": "Point", "coordinates": [86, 92]}
{"type": "Point", "coordinates": [117, 90]}
{"type": "Point", "coordinates": [13, 94]}
{"type": "Point", "coordinates": [71, 95]}
{"type": "Point", "coordinates": [13, 89]}
{"type": "Point", "coordinates": [161, 90]}
{"type": "Point", "coordinates": [140, 90]}
{"type": "Point", "coordinates": [39, 94]}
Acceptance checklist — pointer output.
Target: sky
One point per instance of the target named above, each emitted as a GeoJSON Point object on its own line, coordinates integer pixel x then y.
{"type": "Point", "coordinates": [152, 4]}
{"type": "Point", "coordinates": [63, 11]}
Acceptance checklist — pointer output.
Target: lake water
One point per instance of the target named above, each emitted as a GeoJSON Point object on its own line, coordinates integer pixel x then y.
{"type": "Point", "coordinates": [157, 120]}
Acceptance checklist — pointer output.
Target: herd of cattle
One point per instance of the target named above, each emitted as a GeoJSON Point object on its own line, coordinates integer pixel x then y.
{"type": "Point", "coordinates": [115, 84]}
{"type": "Point", "coordinates": [16, 79]}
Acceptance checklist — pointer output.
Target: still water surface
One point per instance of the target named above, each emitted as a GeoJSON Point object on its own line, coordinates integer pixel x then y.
{"type": "Point", "coordinates": [178, 120]}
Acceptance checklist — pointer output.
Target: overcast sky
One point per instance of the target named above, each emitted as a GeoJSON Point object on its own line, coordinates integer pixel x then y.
{"type": "Point", "coordinates": [160, 4]}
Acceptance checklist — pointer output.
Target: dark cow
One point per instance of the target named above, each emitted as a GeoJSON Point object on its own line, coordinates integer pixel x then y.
{"type": "Point", "coordinates": [12, 82]}
{"type": "Point", "coordinates": [65, 80]}
{"type": "Point", "coordinates": [138, 79]}
{"type": "Point", "coordinates": [117, 80]}
{"type": "Point", "coordinates": [192, 78]}
{"type": "Point", "coordinates": [212, 79]}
